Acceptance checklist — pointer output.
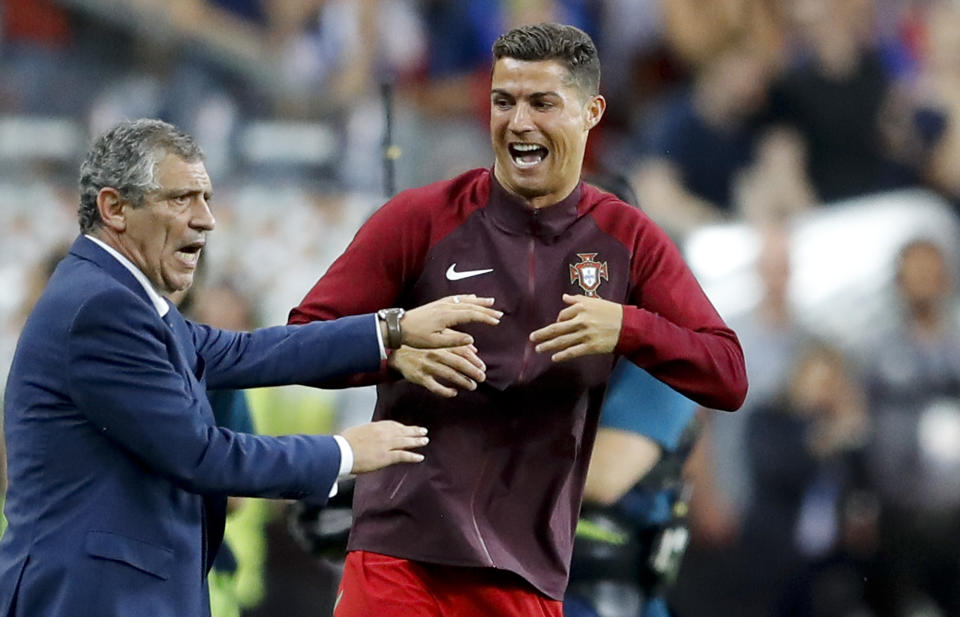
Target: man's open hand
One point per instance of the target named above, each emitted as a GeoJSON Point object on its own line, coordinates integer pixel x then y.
{"type": "Point", "coordinates": [441, 371]}
{"type": "Point", "coordinates": [379, 444]}
{"type": "Point", "coordinates": [428, 326]}
{"type": "Point", "coordinates": [588, 326]}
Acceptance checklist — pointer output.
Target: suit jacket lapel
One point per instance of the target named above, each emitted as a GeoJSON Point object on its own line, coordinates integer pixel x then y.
{"type": "Point", "coordinates": [84, 248]}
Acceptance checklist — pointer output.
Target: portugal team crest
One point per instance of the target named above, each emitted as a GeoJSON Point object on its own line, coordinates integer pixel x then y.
{"type": "Point", "coordinates": [588, 273]}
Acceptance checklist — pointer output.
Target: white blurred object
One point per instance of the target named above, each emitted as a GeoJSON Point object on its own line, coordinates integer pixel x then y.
{"type": "Point", "coordinates": [283, 143]}
{"type": "Point", "coordinates": [36, 137]}
{"type": "Point", "coordinates": [843, 256]}
{"type": "Point", "coordinates": [939, 434]}
{"type": "Point", "coordinates": [938, 439]}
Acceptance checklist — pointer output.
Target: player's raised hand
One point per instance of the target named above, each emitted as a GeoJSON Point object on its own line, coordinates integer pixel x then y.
{"type": "Point", "coordinates": [429, 326]}
{"type": "Point", "coordinates": [379, 444]}
{"type": "Point", "coordinates": [441, 371]}
{"type": "Point", "coordinates": [588, 326]}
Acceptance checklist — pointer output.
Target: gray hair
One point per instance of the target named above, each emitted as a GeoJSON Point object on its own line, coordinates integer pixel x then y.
{"type": "Point", "coordinates": [570, 46]}
{"type": "Point", "coordinates": [126, 158]}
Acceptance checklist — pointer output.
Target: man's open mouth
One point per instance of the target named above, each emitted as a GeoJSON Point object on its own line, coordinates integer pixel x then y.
{"type": "Point", "coordinates": [527, 155]}
{"type": "Point", "coordinates": [190, 253]}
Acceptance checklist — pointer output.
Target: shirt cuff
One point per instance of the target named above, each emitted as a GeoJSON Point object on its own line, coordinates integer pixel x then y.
{"type": "Point", "coordinates": [346, 455]}
{"type": "Point", "coordinates": [383, 350]}
{"type": "Point", "coordinates": [346, 461]}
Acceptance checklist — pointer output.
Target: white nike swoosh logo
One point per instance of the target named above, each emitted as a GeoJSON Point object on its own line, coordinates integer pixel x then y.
{"type": "Point", "coordinates": [453, 275]}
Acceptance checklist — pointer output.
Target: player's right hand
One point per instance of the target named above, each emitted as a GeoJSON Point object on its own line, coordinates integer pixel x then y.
{"type": "Point", "coordinates": [377, 445]}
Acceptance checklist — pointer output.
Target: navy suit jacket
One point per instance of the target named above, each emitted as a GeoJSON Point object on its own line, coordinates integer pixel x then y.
{"type": "Point", "coordinates": [117, 473]}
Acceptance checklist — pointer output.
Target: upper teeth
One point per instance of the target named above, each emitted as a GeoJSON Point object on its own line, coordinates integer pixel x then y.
{"type": "Point", "coordinates": [188, 256]}
{"type": "Point", "coordinates": [525, 147]}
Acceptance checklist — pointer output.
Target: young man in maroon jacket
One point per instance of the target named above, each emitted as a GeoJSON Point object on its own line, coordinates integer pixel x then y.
{"type": "Point", "coordinates": [485, 525]}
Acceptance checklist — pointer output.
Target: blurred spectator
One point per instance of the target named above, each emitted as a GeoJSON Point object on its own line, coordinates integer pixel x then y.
{"type": "Point", "coordinates": [913, 380]}
{"type": "Point", "coordinates": [212, 66]}
{"type": "Point", "coordinates": [935, 92]}
{"type": "Point", "coordinates": [720, 468]}
{"type": "Point", "coordinates": [838, 96]}
{"type": "Point", "coordinates": [38, 278]}
{"type": "Point", "coordinates": [342, 48]}
{"type": "Point", "coordinates": [462, 33]}
{"type": "Point", "coordinates": [221, 304]}
{"type": "Point", "coordinates": [638, 67]}
{"type": "Point", "coordinates": [770, 337]}
{"type": "Point", "coordinates": [775, 187]}
{"type": "Point", "coordinates": [35, 34]}
{"type": "Point", "coordinates": [696, 30]}
{"type": "Point", "coordinates": [291, 49]}
{"type": "Point", "coordinates": [804, 534]}
{"type": "Point", "coordinates": [696, 143]}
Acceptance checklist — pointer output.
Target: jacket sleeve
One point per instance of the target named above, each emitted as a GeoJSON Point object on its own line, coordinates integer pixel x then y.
{"type": "Point", "coordinates": [281, 355]}
{"type": "Point", "coordinates": [671, 329]}
{"type": "Point", "coordinates": [122, 379]}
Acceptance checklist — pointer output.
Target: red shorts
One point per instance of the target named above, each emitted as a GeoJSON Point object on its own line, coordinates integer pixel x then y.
{"type": "Point", "coordinates": [375, 585]}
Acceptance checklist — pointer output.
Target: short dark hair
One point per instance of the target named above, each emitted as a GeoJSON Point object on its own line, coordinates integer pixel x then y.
{"type": "Point", "coordinates": [569, 45]}
{"type": "Point", "coordinates": [126, 158]}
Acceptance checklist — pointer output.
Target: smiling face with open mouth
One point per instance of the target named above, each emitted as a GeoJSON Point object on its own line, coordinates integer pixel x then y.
{"type": "Point", "coordinates": [539, 122]}
{"type": "Point", "coordinates": [165, 235]}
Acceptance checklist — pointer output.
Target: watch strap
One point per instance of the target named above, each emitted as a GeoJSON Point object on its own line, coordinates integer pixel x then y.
{"type": "Point", "coordinates": [391, 317]}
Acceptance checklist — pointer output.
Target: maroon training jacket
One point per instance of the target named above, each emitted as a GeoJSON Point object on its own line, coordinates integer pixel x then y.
{"type": "Point", "coordinates": [504, 471]}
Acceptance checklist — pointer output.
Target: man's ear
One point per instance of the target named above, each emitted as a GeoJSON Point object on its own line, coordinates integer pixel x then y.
{"type": "Point", "coordinates": [110, 204]}
{"type": "Point", "coordinates": [594, 111]}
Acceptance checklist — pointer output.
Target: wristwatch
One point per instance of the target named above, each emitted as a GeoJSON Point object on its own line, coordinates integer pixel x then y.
{"type": "Point", "coordinates": [391, 317]}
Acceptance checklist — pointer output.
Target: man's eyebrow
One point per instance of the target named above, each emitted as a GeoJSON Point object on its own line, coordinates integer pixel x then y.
{"type": "Point", "coordinates": [171, 192]}
{"type": "Point", "coordinates": [534, 95]}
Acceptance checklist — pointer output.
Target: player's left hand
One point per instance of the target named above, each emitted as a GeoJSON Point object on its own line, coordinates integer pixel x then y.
{"type": "Point", "coordinates": [441, 371]}
{"type": "Point", "coordinates": [588, 326]}
{"type": "Point", "coordinates": [429, 326]}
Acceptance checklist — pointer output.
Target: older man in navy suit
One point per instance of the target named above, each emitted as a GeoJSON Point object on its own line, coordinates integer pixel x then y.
{"type": "Point", "coordinates": [117, 474]}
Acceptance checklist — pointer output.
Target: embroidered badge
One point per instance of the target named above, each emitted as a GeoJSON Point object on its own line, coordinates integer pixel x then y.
{"type": "Point", "coordinates": [588, 273]}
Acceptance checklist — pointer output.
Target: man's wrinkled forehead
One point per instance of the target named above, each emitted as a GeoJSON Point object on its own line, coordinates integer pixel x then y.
{"type": "Point", "coordinates": [176, 174]}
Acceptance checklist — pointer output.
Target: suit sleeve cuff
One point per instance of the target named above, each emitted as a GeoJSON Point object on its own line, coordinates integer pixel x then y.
{"type": "Point", "coordinates": [383, 350]}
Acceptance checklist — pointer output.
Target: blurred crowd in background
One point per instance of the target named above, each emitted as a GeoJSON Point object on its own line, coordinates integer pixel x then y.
{"type": "Point", "coordinates": [805, 154]}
